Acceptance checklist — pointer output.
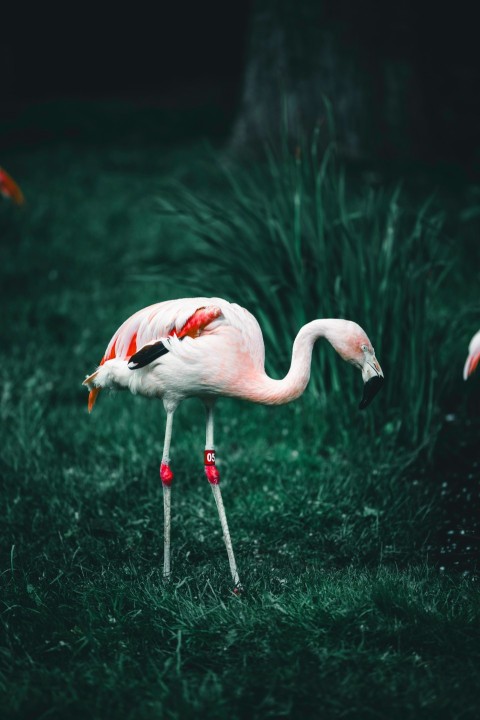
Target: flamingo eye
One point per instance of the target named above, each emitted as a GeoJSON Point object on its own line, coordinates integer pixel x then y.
{"type": "Point", "coordinates": [364, 347]}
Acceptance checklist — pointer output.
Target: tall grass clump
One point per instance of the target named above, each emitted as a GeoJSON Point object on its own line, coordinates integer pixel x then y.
{"type": "Point", "coordinates": [294, 239]}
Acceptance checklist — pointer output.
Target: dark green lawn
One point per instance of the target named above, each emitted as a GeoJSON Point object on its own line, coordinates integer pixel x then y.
{"type": "Point", "coordinates": [351, 607]}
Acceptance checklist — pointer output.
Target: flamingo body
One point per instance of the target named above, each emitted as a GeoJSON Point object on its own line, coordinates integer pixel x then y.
{"type": "Point", "coordinates": [212, 346]}
{"type": "Point", "coordinates": [208, 347]}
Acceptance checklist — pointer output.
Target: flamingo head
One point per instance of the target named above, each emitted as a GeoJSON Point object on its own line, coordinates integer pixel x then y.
{"type": "Point", "coordinates": [355, 347]}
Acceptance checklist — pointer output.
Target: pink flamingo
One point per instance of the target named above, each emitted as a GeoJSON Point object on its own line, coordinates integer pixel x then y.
{"type": "Point", "coordinates": [206, 348]}
{"type": "Point", "coordinates": [473, 356]}
{"type": "Point", "coordinates": [9, 188]}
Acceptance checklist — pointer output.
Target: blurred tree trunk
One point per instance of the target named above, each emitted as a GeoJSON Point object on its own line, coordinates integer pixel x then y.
{"type": "Point", "coordinates": [359, 57]}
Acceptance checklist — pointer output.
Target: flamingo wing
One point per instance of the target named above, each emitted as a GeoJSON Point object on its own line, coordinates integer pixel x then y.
{"type": "Point", "coordinates": [147, 355]}
{"type": "Point", "coordinates": [149, 325]}
{"type": "Point", "coordinates": [192, 328]}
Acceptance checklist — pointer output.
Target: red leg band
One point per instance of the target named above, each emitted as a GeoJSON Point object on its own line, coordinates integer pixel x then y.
{"type": "Point", "coordinates": [213, 476]}
{"type": "Point", "coordinates": [166, 474]}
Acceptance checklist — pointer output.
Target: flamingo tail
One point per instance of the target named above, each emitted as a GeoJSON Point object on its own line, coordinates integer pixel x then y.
{"type": "Point", "coordinates": [93, 394]}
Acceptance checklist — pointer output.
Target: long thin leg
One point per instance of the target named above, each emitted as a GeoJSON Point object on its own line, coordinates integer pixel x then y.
{"type": "Point", "coordinates": [167, 476]}
{"type": "Point", "coordinates": [213, 477]}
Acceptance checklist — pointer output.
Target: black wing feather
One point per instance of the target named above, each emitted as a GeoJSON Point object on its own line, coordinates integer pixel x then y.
{"type": "Point", "coordinates": [146, 355]}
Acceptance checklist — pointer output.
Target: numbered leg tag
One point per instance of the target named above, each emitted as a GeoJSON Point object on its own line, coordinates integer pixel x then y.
{"type": "Point", "coordinates": [209, 457]}
{"type": "Point", "coordinates": [166, 474]}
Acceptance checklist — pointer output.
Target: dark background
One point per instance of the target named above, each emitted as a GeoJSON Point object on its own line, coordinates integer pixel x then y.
{"type": "Point", "coordinates": [408, 75]}
{"type": "Point", "coordinates": [131, 52]}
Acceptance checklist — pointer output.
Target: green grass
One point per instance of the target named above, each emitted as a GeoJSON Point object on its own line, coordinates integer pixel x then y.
{"type": "Point", "coordinates": [332, 511]}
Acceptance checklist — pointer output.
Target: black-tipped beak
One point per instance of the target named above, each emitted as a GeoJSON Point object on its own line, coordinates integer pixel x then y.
{"type": "Point", "coordinates": [370, 389]}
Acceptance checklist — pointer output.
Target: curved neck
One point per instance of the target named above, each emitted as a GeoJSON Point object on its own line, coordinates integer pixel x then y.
{"type": "Point", "coordinates": [268, 391]}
